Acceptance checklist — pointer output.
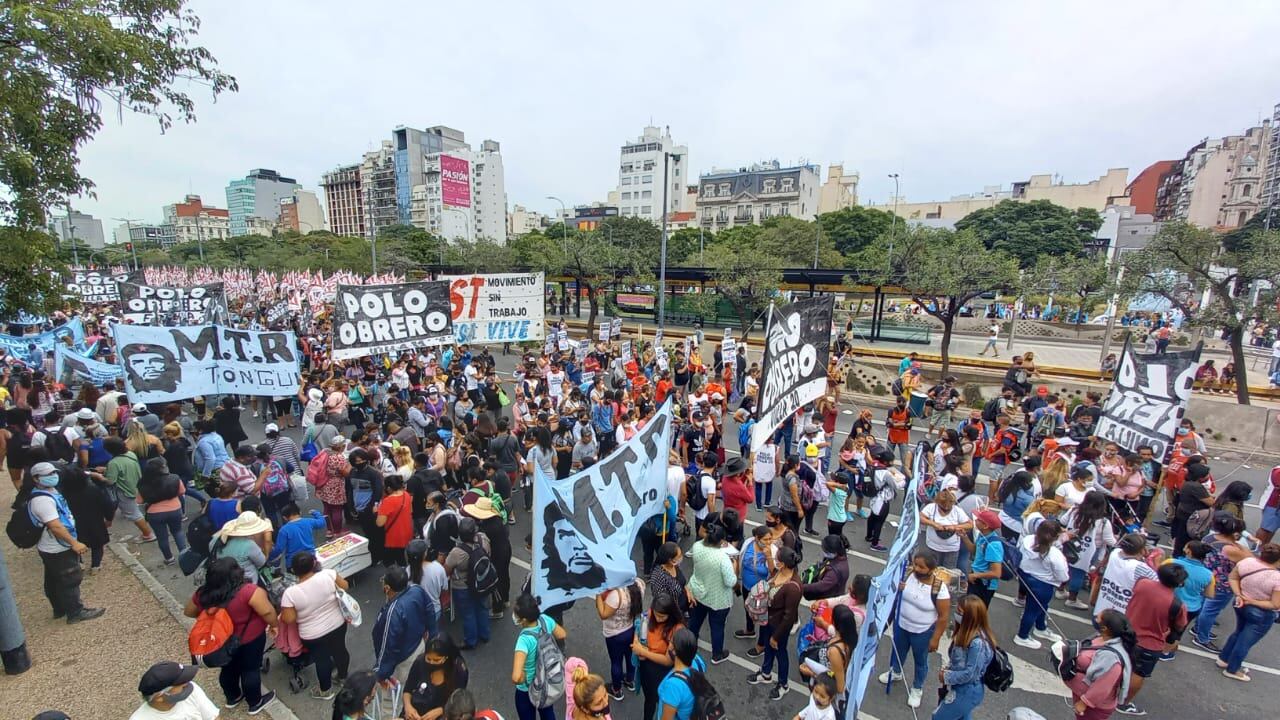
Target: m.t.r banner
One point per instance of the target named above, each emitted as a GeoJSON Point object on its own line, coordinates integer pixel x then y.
{"type": "Point", "coordinates": [1148, 398]}
{"type": "Point", "coordinates": [163, 364]}
{"type": "Point", "coordinates": [499, 308]}
{"type": "Point", "coordinates": [373, 319]}
{"type": "Point", "coordinates": [794, 369]}
{"type": "Point", "coordinates": [154, 305]}
{"type": "Point", "coordinates": [585, 525]}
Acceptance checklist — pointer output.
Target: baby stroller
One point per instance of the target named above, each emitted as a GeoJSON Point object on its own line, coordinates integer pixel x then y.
{"type": "Point", "coordinates": [287, 640]}
{"type": "Point", "coordinates": [1125, 520]}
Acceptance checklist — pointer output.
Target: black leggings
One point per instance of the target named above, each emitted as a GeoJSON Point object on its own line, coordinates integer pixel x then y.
{"type": "Point", "coordinates": [330, 651]}
{"type": "Point", "coordinates": [875, 521]}
{"type": "Point", "coordinates": [651, 674]}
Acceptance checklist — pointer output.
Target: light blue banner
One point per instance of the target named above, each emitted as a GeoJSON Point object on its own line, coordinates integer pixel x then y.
{"type": "Point", "coordinates": [71, 367]}
{"type": "Point", "coordinates": [883, 594]}
{"type": "Point", "coordinates": [585, 525]}
{"type": "Point", "coordinates": [163, 364]}
{"type": "Point", "coordinates": [17, 344]}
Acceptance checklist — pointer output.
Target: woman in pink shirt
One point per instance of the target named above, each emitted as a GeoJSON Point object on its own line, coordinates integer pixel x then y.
{"type": "Point", "coordinates": [1104, 668]}
{"type": "Point", "coordinates": [1256, 583]}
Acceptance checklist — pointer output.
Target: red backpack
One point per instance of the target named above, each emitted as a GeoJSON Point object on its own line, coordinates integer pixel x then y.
{"type": "Point", "coordinates": [318, 469]}
{"type": "Point", "coordinates": [213, 638]}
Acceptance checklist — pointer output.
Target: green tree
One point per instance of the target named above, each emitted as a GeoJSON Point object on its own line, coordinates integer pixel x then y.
{"type": "Point", "coordinates": [480, 256]}
{"type": "Point", "coordinates": [744, 272]}
{"type": "Point", "coordinates": [793, 241]}
{"type": "Point", "coordinates": [854, 228]}
{"type": "Point", "coordinates": [587, 257]}
{"type": "Point", "coordinates": [1081, 280]}
{"type": "Point", "coordinates": [942, 270]}
{"type": "Point", "coordinates": [402, 248]}
{"type": "Point", "coordinates": [1028, 230]}
{"type": "Point", "coordinates": [684, 244]}
{"type": "Point", "coordinates": [62, 63]}
{"type": "Point", "coordinates": [1183, 262]}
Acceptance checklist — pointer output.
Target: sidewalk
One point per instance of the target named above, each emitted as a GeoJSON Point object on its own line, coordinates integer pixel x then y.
{"type": "Point", "coordinates": [91, 670]}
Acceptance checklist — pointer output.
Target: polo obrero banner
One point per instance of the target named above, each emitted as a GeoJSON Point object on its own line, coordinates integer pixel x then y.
{"type": "Point", "coordinates": [374, 319]}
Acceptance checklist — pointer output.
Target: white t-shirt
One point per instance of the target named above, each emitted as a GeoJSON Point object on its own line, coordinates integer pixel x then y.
{"type": "Point", "coordinates": [766, 463]}
{"type": "Point", "coordinates": [1099, 537]}
{"type": "Point", "coordinates": [473, 377]}
{"type": "Point", "coordinates": [675, 480]}
{"type": "Point", "coordinates": [1121, 575]}
{"type": "Point", "coordinates": [708, 485]}
{"type": "Point", "coordinates": [918, 613]}
{"type": "Point", "coordinates": [813, 712]}
{"type": "Point", "coordinates": [434, 581]}
{"type": "Point", "coordinates": [197, 706]}
{"type": "Point", "coordinates": [555, 384]}
{"type": "Point", "coordinates": [955, 517]}
{"type": "Point", "coordinates": [45, 510]}
{"type": "Point", "coordinates": [1070, 496]}
{"type": "Point", "coordinates": [316, 602]}
{"type": "Point", "coordinates": [993, 332]}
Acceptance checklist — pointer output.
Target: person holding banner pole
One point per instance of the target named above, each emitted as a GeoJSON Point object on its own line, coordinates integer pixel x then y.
{"type": "Point", "coordinates": [924, 610]}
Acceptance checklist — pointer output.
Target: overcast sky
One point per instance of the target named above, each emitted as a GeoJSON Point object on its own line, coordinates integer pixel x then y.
{"type": "Point", "coordinates": [952, 95]}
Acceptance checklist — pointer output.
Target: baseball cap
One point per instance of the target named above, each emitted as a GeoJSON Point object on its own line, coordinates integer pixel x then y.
{"type": "Point", "coordinates": [270, 428]}
{"type": "Point", "coordinates": [43, 469]}
{"type": "Point", "coordinates": [164, 675]}
{"type": "Point", "coordinates": [139, 408]}
{"type": "Point", "coordinates": [990, 518]}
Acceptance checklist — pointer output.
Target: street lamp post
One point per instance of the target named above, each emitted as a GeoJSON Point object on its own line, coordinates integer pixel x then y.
{"type": "Point", "coordinates": [564, 223]}
{"type": "Point", "coordinates": [893, 228]}
{"type": "Point", "coordinates": [133, 247]}
{"type": "Point", "coordinates": [662, 261]}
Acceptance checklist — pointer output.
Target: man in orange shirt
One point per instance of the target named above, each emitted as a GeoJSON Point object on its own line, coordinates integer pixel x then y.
{"type": "Point", "coordinates": [898, 422]}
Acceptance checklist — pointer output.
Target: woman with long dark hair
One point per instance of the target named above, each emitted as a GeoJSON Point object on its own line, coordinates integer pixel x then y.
{"type": "Point", "coordinates": [312, 603]}
{"type": "Point", "coordinates": [352, 701]}
{"type": "Point", "coordinates": [972, 647]}
{"type": "Point", "coordinates": [785, 594]}
{"type": "Point", "coordinates": [712, 583]}
{"type": "Point", "coordinates": [252, 616]}
{"type": "Point", "coordinates": [433, 677]}
{"type": "Point", "coordinates": [618, 609]}
{"type": "Point", "coordinates": [226, 422]}
{"type": "Point", "coordinates": [668, 579]}
{"type": "Point", "coordinates": [1043, 568]}
{"type": "Point", "coordinates": [651, 646]}
{"type": "Point", "coordinates": [1088, 527]}
{"type": "Point", "coordinates": [832, 656]}
{"type": "Point", "coordinates": [1105, 666]}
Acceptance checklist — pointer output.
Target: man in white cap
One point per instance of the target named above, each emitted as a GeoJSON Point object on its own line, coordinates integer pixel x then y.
{"type": "Point", "coordinates": [59, 549]}
{"type": "Point", "coordinates": [150, 421]}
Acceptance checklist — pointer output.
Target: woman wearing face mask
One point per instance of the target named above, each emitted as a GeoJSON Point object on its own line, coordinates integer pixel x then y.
{"type": "Point", "coordinates": [785, 594]}
{"type": "Point", "coordinates": [1225, 551]}
{"type": "Point", "coordinates": [1042, 569]}
{"type": "Point", "coordinates": [945, 522]}
{"type": "Point", "coordinates": [356, 694]}
{"type": "Point", "coordinates": [831, 657]}
{"type": "Point", "coordinates": [1233, 497]}
{"type": "Point", "coordinates": [1187, 430]}
{"type": "Point", "coordinates": [432, 678]}
{"type": "Point", "coordinates": [652, 644]}
{"type": "Point", "coordinates": [712, 585]}
{"type": "Point", "coordinates": [1105, 666]}
{"type": "Point", "coordinates": [668, 579]}
{"type": "Point", "coordinates": [925, 600]}
{"type": "Point", "coordinates": [586, 696]}
{"type": "Point", "coordinates": [755, 565]}
{"type": "Point", "coordinates": [972, 647]}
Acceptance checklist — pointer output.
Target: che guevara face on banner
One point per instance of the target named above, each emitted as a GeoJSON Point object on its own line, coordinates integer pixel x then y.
{"type": "Point", "coordinates": [566, 559]}
{"type": "Point", "coordinates": [151, 368]}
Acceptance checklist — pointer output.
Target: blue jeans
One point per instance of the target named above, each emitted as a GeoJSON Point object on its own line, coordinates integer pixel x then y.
{"type": "Point", "coordinates": [1223, 598]}
{"type": "Point", "coordinates": [962, 561]}
{"type": "Point", "coordinates": [193, 492]}
{"type": "Point", "coordinates": [1076, 580]}
{"type": "Point", "coordinates": [475, 616]}
{"type": "Point", "coordinates": [960, 702]}
{"type": "Point", "coordinates": [918, 643]}
{"type": "Point", "coordinates": [771, 653]}
{"type": "Point", "coordinates": [701, 612]}
{"type": "Point", "coordinates": [1037, 605]}
{"type": "Point", "coordinates": [764, 494]}
{"type": "Point", "coordinates": [620, 668]}
{"type": "Point", "coordinates": [164, 524]}
{"type": "Point", "coordinates": [433, 620]}
{"type": "Point", "coordinates": [1252, 623]}
{"type": "Point", "coordinates": [526, 711]}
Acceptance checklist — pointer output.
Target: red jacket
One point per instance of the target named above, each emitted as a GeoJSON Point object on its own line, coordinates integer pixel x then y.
{"type": "Point", "coordinates": [736, 494]}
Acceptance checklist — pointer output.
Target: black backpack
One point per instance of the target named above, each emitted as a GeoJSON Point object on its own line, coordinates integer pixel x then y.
{"type": "Point", "coordinates": [1066, 666]}
{"type": "Point", "coordinates": [991, 410]}
{"type": "Point", "coordinates": [693, 492]}
{"type": "Point", "coordinates": [58, 446]}
{"type": "Point", "coordinates": [482, 576]}
{"type": "Point", "coordinates": [707, 704]}
{"type": "Point", "coordinates": [200, 533]}
{"type": "Point", "coordinates": [998, 676]}
{"type": "Point", "coordinates": [23, 530]}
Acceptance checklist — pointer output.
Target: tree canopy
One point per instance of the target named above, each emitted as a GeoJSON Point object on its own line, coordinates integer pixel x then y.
{"type": "Point", "coordinates": [852, 229]}
{"type": "Point", "coordinates": [1028, 230]}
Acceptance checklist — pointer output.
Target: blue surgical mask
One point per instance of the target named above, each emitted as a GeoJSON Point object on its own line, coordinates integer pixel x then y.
{"type": "Point", "coordinates": [48, 481]}
{"type": "Point", "coordinates": [1182, 431]}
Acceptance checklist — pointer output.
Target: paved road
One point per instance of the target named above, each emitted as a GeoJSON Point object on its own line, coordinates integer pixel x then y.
{"type": "Point", "coordinates": [1189, 686]}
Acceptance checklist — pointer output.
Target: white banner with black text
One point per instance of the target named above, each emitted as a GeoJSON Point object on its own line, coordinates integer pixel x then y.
{"type": "Point", "coordinates": [794, 369]}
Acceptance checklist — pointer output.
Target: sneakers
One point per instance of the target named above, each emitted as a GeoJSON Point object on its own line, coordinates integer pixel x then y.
{"type": "Point", "coordinates": [879, 548]}
{"type": "Point", "coordinates": [85, 614]}
{"type": "Point", "coordinates": [744, 634]}
{"type": "Point", "coordinates": [1130, 709]}
{"type": "Point", "coordinates": [142, 539]}
{"type": "Point", "coordinates": [267, 697]}
{"type": "Point", "coordinates": [630, 685]}
{"type": "Point", "coordinates": [759, 678]}
{"type": "Point", "coordinates": [616, 694]}
{"type": "Point", "coordinates": [170, 561]}
{"type": "Point", "coordinates": [864, 513]}
{"type": "Point", "coordinates": [913, 697]}
{"type": "Point", "coordinates": [1166, 657]}
{"type": "Point", "coordinates": [885, 676]}
{"type": "Point", "coordinates": [717, 659]}
{"type": "Point", "coordinates": [778, 691]}
{"type": "Point", "coordinates": [1029, 643]}
{"type": "Point", "coordinates": [1049, 635]}
{"type": "Point", "coordinates": [1210, 646]}
{"type": "Point", "coordinates": [1077, 605]}
{"type": "Point", "coordinates": [755, 652]}
{"type": "Point", "coordinates": [1242, 676]}
{"type": "Point", "coordinates": [1060, 594]}
{"type": "Point", "coordinates": [319, 694]}
{"type": "Point", "coordinates": [232, 703]}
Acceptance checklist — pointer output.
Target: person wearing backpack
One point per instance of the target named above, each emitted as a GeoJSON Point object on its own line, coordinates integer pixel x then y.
{"type": "Point", "coordinates": [470, 554]}
{"type": "Point", "coordinates": [972, 648]}
{"type": "Point", "coordinates": [923, 611]}
{"type": "Point", "coordinates": [60, 443]}
{"type": "Point", "coordinates": [160, 491]}
{"type": "Point", "coordinates": [233, 617]}
{"type": "Point", "coordinates": [537, 667]}
{"type": "Point", "coordinates": [58, 546]}
{"type": "Point", "coordinates": [784, 595]}
{"type": "Point", "coordinates": [1103, 668]}
{"type": "Point", "coordinates": [988, 555]}
{"type": "Point", "coordinates": [685, 685]}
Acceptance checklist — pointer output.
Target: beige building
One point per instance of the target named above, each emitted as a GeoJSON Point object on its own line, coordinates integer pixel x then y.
{"type": "Point", "coordinates": [1219, 183]}
{"type": "Point", "coordinates": [839, 191]}
{"type": "Point", "coordinates": [521, 221]}
{"type": "Point", "coordinates": [1109, 189]}
{"type": "Point", "coordinates": [343, 200]}
{"type": "Point", "coordinates": [751, 195]}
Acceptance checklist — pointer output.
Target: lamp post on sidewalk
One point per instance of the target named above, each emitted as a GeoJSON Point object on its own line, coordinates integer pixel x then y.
{"type": "Point", "coordinates": [662, 261]}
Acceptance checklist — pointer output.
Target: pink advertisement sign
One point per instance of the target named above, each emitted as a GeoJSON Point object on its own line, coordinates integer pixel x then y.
{"type": "Point", "coordinates": [455, 181]}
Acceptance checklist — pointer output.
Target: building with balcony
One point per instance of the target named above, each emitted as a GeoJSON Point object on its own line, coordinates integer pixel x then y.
{"type": "Point", "coordinates": [379, 191]}
{"type": "Point", "coordinates": [640, 172]}
{"type": "Point", "coordinates": [300, 213]}
{"type": "Point", "coordinates": [1220, 182]}
{"type": "Point", "coordinates": [1271, 170]}
{"type": "Point", "coordinates": [1145, 187]}
{"type": "Point", "coordinates": [522, 221]}
{"type": "Point", "coordinates": [474, 205]}
{"type": "Point", "coordinates": [839, 191]}
{"type": "Point", "coordinates": [257, 195]}
{"type": "Point", "coordinates": [343, 200]}
{"type": "Point", "coordinates": [194, 221]}
{"type": "Point", "coordinates": [751, 195]}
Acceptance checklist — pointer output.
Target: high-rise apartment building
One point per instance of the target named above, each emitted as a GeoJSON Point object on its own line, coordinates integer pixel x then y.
{"type": "Point", "coordinates": [344, 201]}
{"type": "Point", "coordinates": [1271, 171]}
{"type": "Point", "coordinates": [379, 189]}
{"type": "Point", "coordinates": [300, 213]}
{"type": "Point", "coordinates": [462, 193]}
{"type": "Point", "coordinates": [1220, 182]}
{"type": "Point", "coordinates": [192, 220]}
{"type": "Point", "coordinates": [640, 171]}
{"type": "Point", "coordinates": [411, 148]}
{"type": "Point", "coordinates": [84, 227]}
{"type": "Point", "coordinates": [258, 194]}
{"type": "Point", "coordinates": [750, 195]}
{"type": "Point", "coordinates": [521, 221]}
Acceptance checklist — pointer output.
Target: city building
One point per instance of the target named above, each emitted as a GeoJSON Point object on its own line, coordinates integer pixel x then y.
{"type": "Point", "coordinates": [750, 195]}
{"type": "Point", "coordinates": [192, 220]}
{"type": "Point", "coordinates": [681, 219]}
{"type": "Point", "coordinates": [300, 213]}
{"type": "Point", "coordinates": [379, 190]}
{"type": "Point", "coordinates": [640, 172]}
{"type": "Point", "coordinates": [462, 194]}
{"type": "Point", "coordinates": [1271, 176]}
{"type": "Point", "coordinates": [1124, 229]}
{"type": "Point", "coordinates": [521, 221]}
{"type": "Point", "coordinates": [411, 148]}
{"type": "Point", "coordinates": [839, 191]}
{"type": "Point", "coordinates": [257, 195]}
{"type": "Point", "coordinates": [344, 201]}
{"type": "Point", "coordinates": [147, 235]}
{"type": "Point", "coordinates": [1144, 188]}
{"type": "Point", "coordinates": [689, 200]}
{"type": "Point", "coordinates": [1109, 189]}
{"type": "Point", "coordinates": [254, 225]}
{"type": "Point", "coordinates": [83, 227]}
{"type": "Point", "coordinates": [1219, 183]}
{"type": "Point", "coordinates": [589, 217]}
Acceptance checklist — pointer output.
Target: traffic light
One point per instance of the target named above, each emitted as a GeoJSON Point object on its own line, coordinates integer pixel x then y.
{"type": "Point", "coordinates": [128, 246]}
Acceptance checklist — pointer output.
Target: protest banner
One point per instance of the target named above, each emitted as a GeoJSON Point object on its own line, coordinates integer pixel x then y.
{"type": "Point", "coordinates": [72, 368]}
{"type": "Point", "coordinates": [156, 305]}
{"type": "Point", "coordinates": [498, 308]}
{"type": "Point", "coordinates": [97, 286]}
{"type": "Point", "coordinates": [626, 351]}
{"type": "Point", "coordinates": [163, 364]}
{"type": "Point", "coordinates": [794, 369]}
{"type": "Point", "coordinates": [584, 347]}
{"type": "Point", "coordinates": [883, 594]}
{"type": "Point", "coordinates": [615, 329]}
{"type": "Point", "coordinates": [277, 312]}
{"type": "Point", "coordinates": [16, 345]}
{"type": "Point", "coordinates": [602, 333]}
{"type": "Point", "coordinates": [1148, 399]}
{"type": "Point", "coordinates": [373, 319]}
{"type": "Point", "coordinates": [585, 525]}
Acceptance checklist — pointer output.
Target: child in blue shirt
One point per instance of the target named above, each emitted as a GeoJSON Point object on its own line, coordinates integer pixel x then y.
{"type": "Point", "coordinates": [297, 533]}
